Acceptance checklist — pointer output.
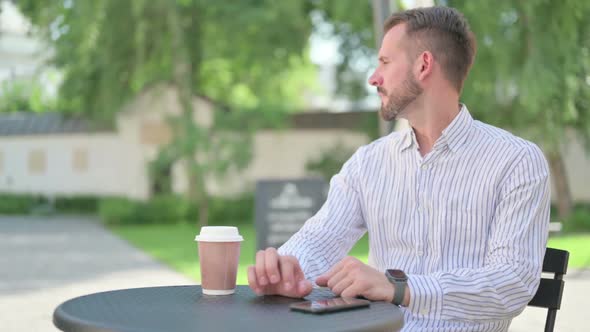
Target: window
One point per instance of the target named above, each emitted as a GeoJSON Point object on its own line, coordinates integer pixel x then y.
{"type": "Point", "coordinates": [37, 161]}
{"type": "Point", "coordinates": [155, 133]}
{"type": "Point", "coordinates": [80, 160]}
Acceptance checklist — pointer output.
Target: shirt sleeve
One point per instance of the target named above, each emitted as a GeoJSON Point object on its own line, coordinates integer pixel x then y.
{"type": "Point", "coordinates": [329, 235]}
{"type": "Point", "coordinates": [502, 288]}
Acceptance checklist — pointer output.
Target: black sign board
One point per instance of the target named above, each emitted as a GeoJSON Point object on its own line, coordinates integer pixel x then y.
{"type": "Point", "coordinates": [283, 206]}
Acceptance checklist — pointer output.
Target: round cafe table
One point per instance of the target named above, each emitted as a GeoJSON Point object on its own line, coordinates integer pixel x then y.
{"type": "Point", "coordinates": [185, 308]}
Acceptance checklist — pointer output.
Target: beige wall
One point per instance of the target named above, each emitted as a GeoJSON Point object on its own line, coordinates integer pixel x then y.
{"type": "Point", "coordinates": [49, 165]}
{"type": "Point", "coordinates": [283, 154]}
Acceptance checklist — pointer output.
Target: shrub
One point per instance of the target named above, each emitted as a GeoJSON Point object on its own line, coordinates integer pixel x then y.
{"type": "Point", "coordinates": [161, 209]}
{"type": "Point", "coordinates": [579, 220]}
{"type": "Point", "coordinates": [164, 209]}
{"type": "Point", "coordinates": [236, 210]}
{"type": "Point", "coordinates": [18, 203]}
{"type": "Point", "coordinates": [77, 204]}
{"type": "Point", "coordinates": [119, 211]}
{"type": "Point", "coordinates": [31, 203]}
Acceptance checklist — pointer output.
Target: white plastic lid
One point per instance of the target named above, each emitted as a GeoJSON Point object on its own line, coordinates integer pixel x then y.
{"type": "Point", "coordinates": [219, 234]}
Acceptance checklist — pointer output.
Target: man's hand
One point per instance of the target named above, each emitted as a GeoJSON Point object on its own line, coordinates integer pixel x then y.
{"type": "Point", "coordinates": [277, 275]}
{"type": "Point", "coordinates": [351, 277]}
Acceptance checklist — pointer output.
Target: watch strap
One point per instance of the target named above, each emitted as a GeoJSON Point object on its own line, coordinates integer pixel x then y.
{"type": "Point", "coordinates": [399, 292]}
{"type": "Point", "coordinates": [399, 280]}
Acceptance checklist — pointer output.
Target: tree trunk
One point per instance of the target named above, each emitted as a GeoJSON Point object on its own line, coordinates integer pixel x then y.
{"type": "Point", "coordinates": [183, 82]}
{"type": "Point", "coordinates": [204, 211]}
{"type": "Point", "coordinates": [198, 193]}
{"type": "Point", "coordinates": [559, 175]}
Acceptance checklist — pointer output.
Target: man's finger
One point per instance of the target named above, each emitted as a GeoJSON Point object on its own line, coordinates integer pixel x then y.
{"type": "Point", "coordinates": [342, 285]}
{"type": "Point", "coordinates": [271, 262]}
{"type": "Point", "coordinates": [336, 278]}
{"type": "Point", "coordinates": [323, 279]}
{"type": "Point", "coordinates": [304, 287]}
{"type": "Point", "coordinates": [287, 272]}
{"type": "Point", "coordinates": [352, 291]}
{"type": "Point", "coordinates": [261, 268]}
{"type": "Point", "coordinates": [252, 282]}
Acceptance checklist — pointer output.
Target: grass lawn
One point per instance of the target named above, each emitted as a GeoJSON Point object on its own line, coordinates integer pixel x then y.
{"type": "Point", "coordinates": [577, 245]}
{"type": "Point", "coordinates": [174, 245]}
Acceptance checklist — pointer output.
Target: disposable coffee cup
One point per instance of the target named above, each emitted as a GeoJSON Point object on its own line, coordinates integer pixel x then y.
{"type": "Point", "coordinates": [219, 253]}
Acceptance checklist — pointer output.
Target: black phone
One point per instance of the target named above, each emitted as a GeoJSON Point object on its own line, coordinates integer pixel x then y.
{"type": "Point", "coordinates": [330, 305]}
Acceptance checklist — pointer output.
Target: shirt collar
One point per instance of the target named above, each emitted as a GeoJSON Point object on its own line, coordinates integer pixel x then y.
{"type": "Point", "coordinates": [409, 138]}
{"type": "Point", "coordinates": [452, 136]}
{"type": "Point", "coordinates": [456, 133]}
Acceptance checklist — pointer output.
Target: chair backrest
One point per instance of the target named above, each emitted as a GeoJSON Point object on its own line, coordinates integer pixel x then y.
{"type": "Point", "coordinates": [551, 290]}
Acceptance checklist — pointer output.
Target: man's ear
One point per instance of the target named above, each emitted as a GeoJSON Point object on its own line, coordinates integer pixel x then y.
{"type": "Point", "coordinates": [424, 65]}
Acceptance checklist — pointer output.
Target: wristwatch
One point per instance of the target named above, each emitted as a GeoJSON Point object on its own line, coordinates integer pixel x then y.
{"type": "Point", "coordinates": [399, 280]}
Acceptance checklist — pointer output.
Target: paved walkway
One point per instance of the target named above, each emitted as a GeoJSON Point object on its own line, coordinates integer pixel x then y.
{"type": "Point", "coordinates": [44, 262]}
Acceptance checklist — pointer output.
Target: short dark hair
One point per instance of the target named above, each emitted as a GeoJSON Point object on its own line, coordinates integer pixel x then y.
{"type": "Point", "coordinates": [444, 32]}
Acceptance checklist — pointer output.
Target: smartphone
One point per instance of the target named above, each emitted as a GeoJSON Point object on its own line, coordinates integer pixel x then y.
{"type": "Point", "coordinates": [330, 305]}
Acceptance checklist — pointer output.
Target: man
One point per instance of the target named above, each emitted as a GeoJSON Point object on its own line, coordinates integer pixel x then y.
{"type": "Point", "coordinates": [456, 210]}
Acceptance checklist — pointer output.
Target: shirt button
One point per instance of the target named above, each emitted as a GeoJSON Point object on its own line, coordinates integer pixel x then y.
{"type": "Point", "coordinates": [424, 311]}
{"type": "Point", "coordinates": [424, 167]}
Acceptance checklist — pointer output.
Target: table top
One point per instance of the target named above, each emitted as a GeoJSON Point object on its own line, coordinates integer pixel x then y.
{"type": "Point", "coordinates": [185, 308]}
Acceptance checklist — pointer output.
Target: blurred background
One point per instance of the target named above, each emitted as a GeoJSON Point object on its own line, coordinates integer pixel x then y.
{"type": "Point", "coordinates": [125, 126]}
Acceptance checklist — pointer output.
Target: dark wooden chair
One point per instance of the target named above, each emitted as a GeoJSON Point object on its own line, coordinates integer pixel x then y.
{"type": "Point", "coordinates": [550, 290]}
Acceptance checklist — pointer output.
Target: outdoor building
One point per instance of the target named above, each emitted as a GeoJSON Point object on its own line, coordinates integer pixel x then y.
{"type": "Point", "coordinates": [52, 155]}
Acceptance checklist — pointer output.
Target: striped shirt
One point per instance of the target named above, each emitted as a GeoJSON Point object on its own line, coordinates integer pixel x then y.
{"type": "Point", "coordinates": [467, 223]}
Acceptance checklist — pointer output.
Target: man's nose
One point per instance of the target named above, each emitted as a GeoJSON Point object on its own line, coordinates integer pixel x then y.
{"type": "Point", "coordinates": [376, 80]}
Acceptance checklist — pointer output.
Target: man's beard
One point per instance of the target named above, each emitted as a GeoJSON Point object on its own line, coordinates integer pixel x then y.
{"type": "Point", "coordinates": [400, 99]}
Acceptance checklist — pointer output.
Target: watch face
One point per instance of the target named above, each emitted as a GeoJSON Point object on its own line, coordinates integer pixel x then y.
{"type": "Point", "coordinates": [397, 274]}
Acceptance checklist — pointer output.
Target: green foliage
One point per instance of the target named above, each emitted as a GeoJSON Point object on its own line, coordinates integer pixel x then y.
{"type": "Point", "coordinates": [119, 211]}
{"type": "Point", "coordinates": [330, 161]}
{"type": "Point", "coordinates": [18, 204]}
{"type": "Point", "coordinates": [232, 211]}
{"type": "Point", "coordinates": [246, 53]}
{"type": "Point", "coordinates": [532, 67]}
{"type": "Point", "coordinates": [23, 204]}
{"type": "Point", "coordinates": [163, 209]}
{"type": "Point", "coordinates": [579, 220]}
{"type": "Point", "coordinates": [351, 23]}
{"type": "Point", "coordinates": [24, 96]}
{"type": "Point", "coordinates": [171, 209]}
{"type": "Point", "coordinates": [160, 209]}
{"type": "Point", "coordinates": [76, 204]}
